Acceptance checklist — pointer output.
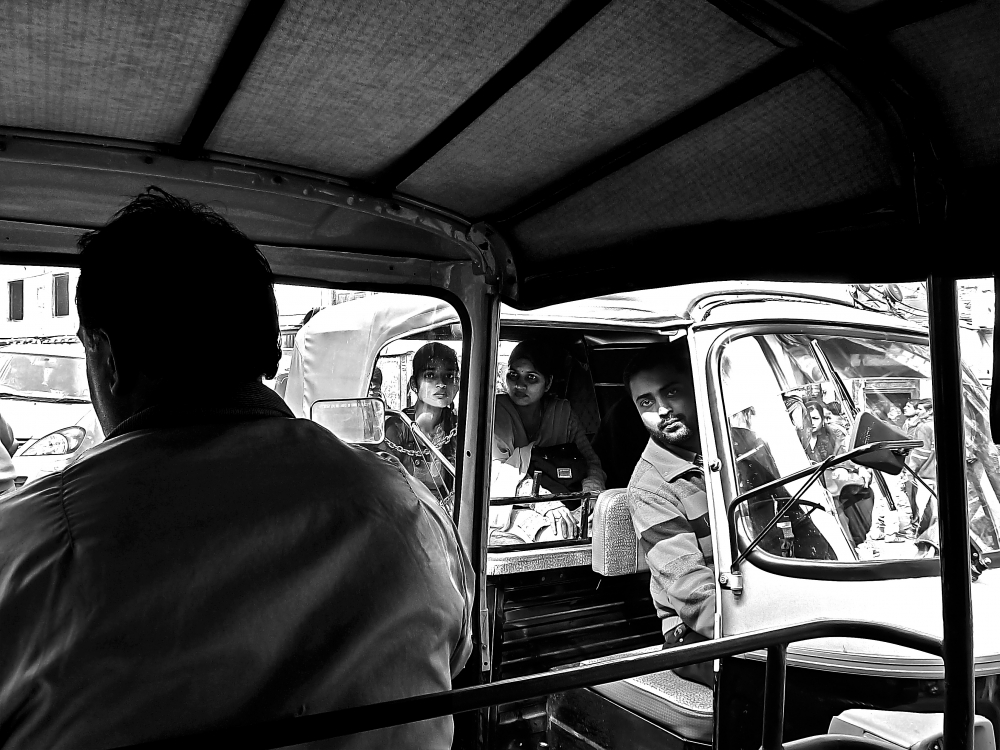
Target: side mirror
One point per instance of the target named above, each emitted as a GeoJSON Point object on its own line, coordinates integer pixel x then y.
{"type": "Point", "coordinates": [354, 420]}
{"type": "Point", "coordinates": [869, 429]}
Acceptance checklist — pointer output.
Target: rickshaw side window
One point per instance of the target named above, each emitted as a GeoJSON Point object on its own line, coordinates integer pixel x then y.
{"type": "Point", "coordinates": [545, 473]}
{"type": "Point", "coordinates": [790, 401]}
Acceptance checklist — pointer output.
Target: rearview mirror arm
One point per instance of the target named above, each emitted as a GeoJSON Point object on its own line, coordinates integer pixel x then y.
{"type": "Point", "coordinates": [813, 472]}
{"type": "Point", "coordinates": [893, 445]}
{"type": "Point", "coordinates": [816, 472]}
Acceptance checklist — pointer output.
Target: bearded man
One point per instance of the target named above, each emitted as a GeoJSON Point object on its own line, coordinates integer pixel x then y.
{"type": "Point", "coordinates": [667, 495]}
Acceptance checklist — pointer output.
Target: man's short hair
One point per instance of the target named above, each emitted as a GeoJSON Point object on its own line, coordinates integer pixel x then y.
{"type": "Point", "coordinates": [924, 402]}
{"type": "Point", "coordinates": [674, 353]}
{"type": "Point", "coordinates": [166, 276]}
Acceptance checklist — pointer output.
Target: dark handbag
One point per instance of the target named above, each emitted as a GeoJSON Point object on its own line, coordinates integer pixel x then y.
{"type": "Point", "coordinates": [563, 467]}
{"type": "Point", "coordinates": [702, 672]}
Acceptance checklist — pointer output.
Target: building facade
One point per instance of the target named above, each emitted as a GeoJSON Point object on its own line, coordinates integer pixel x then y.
{"type": "Point", "coordinates": [37, 302]}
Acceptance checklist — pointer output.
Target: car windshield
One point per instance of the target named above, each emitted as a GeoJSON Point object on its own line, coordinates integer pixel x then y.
{"type": "Point", "coordinates": [791, 400]}
{"type": "Point", "coordinates": [43, 376]}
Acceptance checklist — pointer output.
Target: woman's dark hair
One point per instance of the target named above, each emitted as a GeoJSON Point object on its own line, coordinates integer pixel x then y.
{"type": "Point", "coordinates": [165, 273]}
{"type": "Point", "coordinates": [821, 409]}
{"type": "Point", "coordinates": [427, 354]}
{"type": "Point", "coordinates": [541, 355]}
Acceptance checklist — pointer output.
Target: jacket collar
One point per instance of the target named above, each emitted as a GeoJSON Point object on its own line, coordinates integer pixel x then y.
{"type": "Point", "coordinates": [244, 402]}
{"type": "Point", "coordinates": [670, 463]}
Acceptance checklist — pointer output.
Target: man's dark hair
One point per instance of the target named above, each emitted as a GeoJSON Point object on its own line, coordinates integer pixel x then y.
{"type": "Point", "coordinates": [926, 403]}
{"type": "Point", "coordinates": [164, 274]}
{"type": "Point", "coordinates": [674, 353]}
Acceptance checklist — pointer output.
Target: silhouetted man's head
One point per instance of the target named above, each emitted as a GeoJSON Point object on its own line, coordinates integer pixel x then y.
{"type": "Point", "coordinates": [160, 277]}
{"type": "Point", "coordinates": [659, 382]}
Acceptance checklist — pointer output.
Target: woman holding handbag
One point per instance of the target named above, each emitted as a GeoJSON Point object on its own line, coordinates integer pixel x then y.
{"type": "Point", "coordinates": [527, 416]}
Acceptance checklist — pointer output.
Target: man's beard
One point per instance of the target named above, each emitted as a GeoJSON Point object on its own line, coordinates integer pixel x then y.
{"type": "Point", "coordinates": [667, 440]}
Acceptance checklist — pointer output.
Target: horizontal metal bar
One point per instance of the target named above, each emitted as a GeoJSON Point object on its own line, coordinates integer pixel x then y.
{"type": "Point", "coordinates": [782, 67]}
{"type": "Point", "coordinates": [573, 17]}
{"type": "Point", "coordinates": [529, 499]}
{"type": "Point", "coordinates": [253, 28]}
{"type": "Point", "coordinates": [291, 731]}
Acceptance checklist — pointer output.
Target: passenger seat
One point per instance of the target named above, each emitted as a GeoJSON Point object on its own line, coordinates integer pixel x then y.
{"type": "Point", "coordinates": [676, 704]}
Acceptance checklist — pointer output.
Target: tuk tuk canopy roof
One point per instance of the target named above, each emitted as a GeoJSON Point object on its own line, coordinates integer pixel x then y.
{"type": "Point", "coordinates": [335, 351]}
{"type": "Point", "coordinates": [590, 142]}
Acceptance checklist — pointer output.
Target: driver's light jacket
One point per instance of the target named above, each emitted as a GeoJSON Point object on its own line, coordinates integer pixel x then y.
{"type": "Point", "coordinates": [222, 566]}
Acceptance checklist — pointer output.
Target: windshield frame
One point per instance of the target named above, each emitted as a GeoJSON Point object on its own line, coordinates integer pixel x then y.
{"type": "Point", "coordinates": [739, 540]}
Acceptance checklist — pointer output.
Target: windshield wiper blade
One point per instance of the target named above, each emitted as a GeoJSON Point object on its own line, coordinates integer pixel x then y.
{"type": "Point", "coordinates": [43, 398]}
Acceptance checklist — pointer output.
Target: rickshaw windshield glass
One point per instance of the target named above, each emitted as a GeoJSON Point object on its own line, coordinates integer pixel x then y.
{"type": "Point", "coordinates": [791, 400]}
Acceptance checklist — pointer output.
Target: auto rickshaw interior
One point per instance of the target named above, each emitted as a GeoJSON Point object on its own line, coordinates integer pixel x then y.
{"type": "Point", "coordinates": [541, 152]}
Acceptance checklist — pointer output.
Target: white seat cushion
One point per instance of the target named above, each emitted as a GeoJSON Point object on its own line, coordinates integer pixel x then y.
{"type": "Point", "coordinates": [680, 705]}
{"type": "Point", "coordinates": [616, 550]}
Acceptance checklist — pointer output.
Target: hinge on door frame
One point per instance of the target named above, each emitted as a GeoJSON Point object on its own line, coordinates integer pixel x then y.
{"type": "Point", "coordinates": [732, 581]}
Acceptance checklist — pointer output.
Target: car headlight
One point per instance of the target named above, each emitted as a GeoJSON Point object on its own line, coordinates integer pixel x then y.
{"type": "Point", "coordinates": [58, 443]}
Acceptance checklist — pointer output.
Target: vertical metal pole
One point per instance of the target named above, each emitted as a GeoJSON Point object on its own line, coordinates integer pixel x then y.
{"type": "Point", "coordinates": [953, 513]}
{"type": "Point", "coordinates": [774, 699]}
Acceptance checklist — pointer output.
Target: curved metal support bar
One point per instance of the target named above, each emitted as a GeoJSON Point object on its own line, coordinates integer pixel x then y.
{"type": "Point", "coordinates": [114, 168]}
{"type": "Point", "coordinates": [285, 732]}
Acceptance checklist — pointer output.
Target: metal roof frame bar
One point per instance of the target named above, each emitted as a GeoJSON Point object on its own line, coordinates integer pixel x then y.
{"type": "Point", "coordinates": [573, 17]}
{"type": "Point", "coordinates": [241, 51]}
{"type": "Point", "coordinates": [782, 67]}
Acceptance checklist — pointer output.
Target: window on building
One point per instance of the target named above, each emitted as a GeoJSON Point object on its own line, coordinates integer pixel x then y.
{"type": "Point", "coordinates": [60, 295]}
{"type": "Point", "coordinates": [16, 298]}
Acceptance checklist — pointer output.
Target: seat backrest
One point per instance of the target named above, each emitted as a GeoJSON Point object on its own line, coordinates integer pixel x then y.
{"type": "Point", "coordinates": [616, 550]}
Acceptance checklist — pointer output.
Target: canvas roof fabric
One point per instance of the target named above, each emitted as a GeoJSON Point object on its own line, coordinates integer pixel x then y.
{"type": "Point", "coordinates": [607, 136]}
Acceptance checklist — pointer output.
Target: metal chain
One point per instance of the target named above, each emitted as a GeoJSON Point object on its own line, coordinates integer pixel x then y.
{"type": "Point", "coordinates": [423, 452]}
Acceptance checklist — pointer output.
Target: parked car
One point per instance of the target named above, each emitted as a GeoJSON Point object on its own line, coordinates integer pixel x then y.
{"type": "Point", "coordinates": [45, 399]}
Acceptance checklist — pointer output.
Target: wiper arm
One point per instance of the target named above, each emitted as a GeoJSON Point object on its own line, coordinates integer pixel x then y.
{"type": "Point", "coordinates": [813, 472]}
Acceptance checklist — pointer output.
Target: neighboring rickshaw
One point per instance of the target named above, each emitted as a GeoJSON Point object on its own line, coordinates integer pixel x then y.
{"type": "Point", "coordinates": [760, 352]}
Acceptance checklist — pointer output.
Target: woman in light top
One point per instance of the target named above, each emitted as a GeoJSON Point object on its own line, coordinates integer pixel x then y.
{"type": "Point", "coordinates": [435, 380]}
{"type": "Point", "coordinates": [527, 415]}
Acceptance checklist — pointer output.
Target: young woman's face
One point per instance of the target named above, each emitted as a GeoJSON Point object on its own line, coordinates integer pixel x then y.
{"type": "Point", "coordinates": [437, 384]}
{"type": "Point", "coordinates": [815, 419]}
{"type": "Point", "coordinates": [525, 384]}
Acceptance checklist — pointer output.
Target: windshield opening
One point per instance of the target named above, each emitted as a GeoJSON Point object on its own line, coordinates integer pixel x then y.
{"type": "Point", "coordinates": [791, 400]}
{"type": "Point", "coordinates": [43, 376]}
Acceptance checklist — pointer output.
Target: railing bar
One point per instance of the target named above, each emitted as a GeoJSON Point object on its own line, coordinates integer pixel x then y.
{"type": "Point", "coordinates": [576, 649]}
{"type": "Point", "coordinates": [291, 731]}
